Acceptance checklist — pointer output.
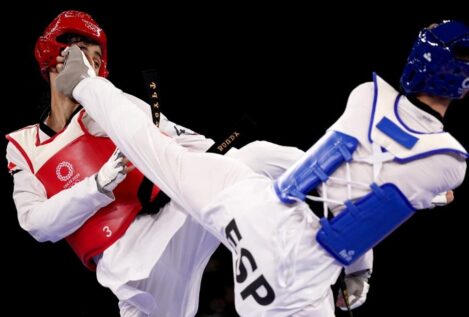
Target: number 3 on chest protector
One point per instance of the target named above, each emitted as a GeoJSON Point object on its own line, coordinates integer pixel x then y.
{"type": "Point", "coordinates": [107, 231]}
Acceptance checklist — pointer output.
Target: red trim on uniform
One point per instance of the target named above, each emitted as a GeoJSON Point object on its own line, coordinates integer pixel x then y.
{"type": "Point", "coordinates": [81, 114]}
{"type": "Point", "coordinates": [38, 141]}
{"type": "Point", "coordinates": [154, 192]}
{"type": "Point", "coordinates": [23, 152]}
{"type": "Point", "coordinates": [11, 166]}
{"type": "Point", "coordinates": [84, 130]}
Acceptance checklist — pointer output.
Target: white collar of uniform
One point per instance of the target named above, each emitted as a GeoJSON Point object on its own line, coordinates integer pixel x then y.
{"type": "Point", "coordinates": [400, 139]}
{"type": "Point", "coordinates": [43, 136]}
{"type": "Point", "coordinates": [416, 119]}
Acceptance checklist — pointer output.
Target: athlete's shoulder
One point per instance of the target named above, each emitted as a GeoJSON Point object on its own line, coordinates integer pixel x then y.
{"type": "Point", "coordinates": [27, 133]}
{"type": "Point", "coordinates": [361, 97]}
{"type": "Point", "coordinates": [363, 91]}
{"type": "Point", "coordinates": [22, 130]}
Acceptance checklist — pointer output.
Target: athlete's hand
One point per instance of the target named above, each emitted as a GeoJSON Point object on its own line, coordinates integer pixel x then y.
{"type": "Point", "coordinates": [60, 63]}
{"type": "Point", "coordinates": [74, 69]}
{"type": "Point", "coordinates": [357, 290]}
{"type": "Point", "coordinates": [113, 172]}
{"type": "Point", "coordinates": [443, 199]}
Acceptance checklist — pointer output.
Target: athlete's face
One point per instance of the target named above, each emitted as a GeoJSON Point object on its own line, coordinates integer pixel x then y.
{"type": "Point", "coordinates": [92, 52]}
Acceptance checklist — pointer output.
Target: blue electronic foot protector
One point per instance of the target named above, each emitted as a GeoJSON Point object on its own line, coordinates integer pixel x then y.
{"type": "Point", "coordinates": [363, 224]}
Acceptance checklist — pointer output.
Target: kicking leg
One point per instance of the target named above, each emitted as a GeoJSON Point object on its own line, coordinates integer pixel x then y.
{"type": "Point", "coordinates": [192, 179]}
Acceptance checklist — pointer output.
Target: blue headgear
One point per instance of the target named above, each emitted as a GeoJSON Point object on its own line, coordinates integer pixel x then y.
{"type": "Point", "coordinates": [432, 66]}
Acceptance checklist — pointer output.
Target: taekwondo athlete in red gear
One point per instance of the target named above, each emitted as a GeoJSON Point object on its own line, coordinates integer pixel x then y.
{"type": "Point", "coordinates": [65, 187]}
{"type": "Point", "coordinates": [372, 164]}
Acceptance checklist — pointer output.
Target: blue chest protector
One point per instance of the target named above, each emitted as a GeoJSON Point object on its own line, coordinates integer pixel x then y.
{"type": "Point", "coordinates": [365, 222]}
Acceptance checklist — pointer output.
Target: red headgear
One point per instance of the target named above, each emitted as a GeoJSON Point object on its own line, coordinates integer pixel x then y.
{"type": "Point", "coordinates": [76, 22]}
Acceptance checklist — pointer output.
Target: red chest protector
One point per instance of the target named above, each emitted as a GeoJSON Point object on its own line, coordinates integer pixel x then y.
{"type": "Point", "coordinates": [81, 158]}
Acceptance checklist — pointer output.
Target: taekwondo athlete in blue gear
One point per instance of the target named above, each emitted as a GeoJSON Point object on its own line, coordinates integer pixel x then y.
{"type": "Point", "coordinates": [446, 77]}
{"type": "Point", "coordinates": [437, 65]}
{"type": "Point", "coordinates": [280, 269]}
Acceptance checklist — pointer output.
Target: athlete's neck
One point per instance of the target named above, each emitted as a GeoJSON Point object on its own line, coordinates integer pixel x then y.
{"type": "Point", "coordinates": [438, 104]}
{"type": "Point", "coordinates": [61, 110]}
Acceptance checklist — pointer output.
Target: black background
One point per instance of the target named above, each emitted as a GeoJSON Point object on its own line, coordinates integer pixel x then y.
{"type": "Point", "coordinates": [290, 68]}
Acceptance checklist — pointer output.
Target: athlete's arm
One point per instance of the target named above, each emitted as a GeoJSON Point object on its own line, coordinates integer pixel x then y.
{"type": "Point", "coordinates": [54, 218]}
